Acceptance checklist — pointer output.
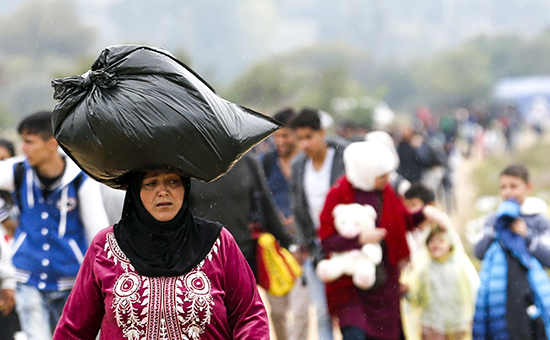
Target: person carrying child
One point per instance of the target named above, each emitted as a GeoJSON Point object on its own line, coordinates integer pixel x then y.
{"type": "Point", "coordinates": [514, 246]}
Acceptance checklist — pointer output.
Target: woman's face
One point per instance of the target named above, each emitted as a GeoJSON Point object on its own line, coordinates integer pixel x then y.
{"type": "Point", "coordinates": [162, 194]}
{"type": "Point", "coordinates": [381, 181]}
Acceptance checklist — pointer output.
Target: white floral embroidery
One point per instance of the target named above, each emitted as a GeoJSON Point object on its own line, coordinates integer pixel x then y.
{"type": "Point", "coordinates": [114, 252]}
{"type": "Point", "coordinates": [198, 294]}
{"type": "Point", "coordinates": [125, 294]}
{"type": "Point", "coordinates": [160, 307]}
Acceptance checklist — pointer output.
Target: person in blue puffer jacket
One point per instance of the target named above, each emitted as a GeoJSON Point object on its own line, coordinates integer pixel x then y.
{"type": "Point", "coordinates": [514, 246]}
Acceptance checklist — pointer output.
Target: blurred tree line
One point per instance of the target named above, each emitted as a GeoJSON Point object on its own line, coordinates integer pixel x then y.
{"type": "Point", "coordinates": [457, 77]}
{"type": "Point", "coordinates": [39, 42]}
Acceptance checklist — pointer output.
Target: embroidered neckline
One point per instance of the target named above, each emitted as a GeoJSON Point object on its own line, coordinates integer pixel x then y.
{"type": "Point", "coordinates": [160, 307]}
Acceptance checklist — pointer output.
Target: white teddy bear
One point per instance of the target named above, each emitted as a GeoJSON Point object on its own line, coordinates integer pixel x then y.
{"type": "Point", "coordinates": [350, 220]}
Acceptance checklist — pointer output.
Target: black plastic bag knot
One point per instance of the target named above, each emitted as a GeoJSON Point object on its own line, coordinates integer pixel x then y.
{"type": "Point", "coordinates": [102, 79]}
{"type": "Point", "coordinates": [74, 84]}
{"type": "Point", "coordinates": [67, 86]}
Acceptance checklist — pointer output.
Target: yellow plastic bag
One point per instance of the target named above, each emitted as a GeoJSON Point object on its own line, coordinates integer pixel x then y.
{"type": "Point", "coordinates": [277, 269]}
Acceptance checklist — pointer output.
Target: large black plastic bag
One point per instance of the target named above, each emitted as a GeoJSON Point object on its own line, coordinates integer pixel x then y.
{"type": "Point", "coordinates": [139, 109]}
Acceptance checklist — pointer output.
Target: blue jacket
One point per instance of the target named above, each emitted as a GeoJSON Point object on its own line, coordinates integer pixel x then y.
{"type": "Point", "coordinates": [279, 185]}
{"type": "Point", "coordinates": [51, 240]}
{"type": "Point", "coordinates": [538, 237]}
{"type": "Point", "coordinates": [490, 313]}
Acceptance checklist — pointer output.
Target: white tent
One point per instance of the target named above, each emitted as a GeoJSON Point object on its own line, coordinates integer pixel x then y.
{"type": "Point", "coordinates": [527, 93]}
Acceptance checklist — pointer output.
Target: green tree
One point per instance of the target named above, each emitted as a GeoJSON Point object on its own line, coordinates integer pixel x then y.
{"type": "Point", "coordinates": [309, 77]}
{"type": "Point", "coordinates": [40, 40]}
{"type": "Point", "coordinates": [467, 74]}
{"type": "Point", "coordinates": [514, 56]}
{"type": "Point", "coordinates": [264, 86]}
{"type": "Point", "coordinates": [397, 85]}
{"type": "Point", "coordinates": [454, 77]}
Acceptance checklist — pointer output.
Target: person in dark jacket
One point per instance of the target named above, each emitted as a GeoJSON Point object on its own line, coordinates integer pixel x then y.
{"type": "Point", "coordinates": [233, 198]}
{"type": "Point", "coordinates": [412, 165]}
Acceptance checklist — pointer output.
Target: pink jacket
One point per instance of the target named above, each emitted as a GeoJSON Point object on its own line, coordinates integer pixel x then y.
{"type": "Point", "coordinates": [218, 299]}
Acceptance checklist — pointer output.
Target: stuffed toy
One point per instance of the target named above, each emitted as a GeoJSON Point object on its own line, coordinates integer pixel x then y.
{"type": "Point", "coordinates": [350, 221]}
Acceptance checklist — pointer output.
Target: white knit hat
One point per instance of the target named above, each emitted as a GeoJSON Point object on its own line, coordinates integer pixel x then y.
{"type": "Point", "coordinates": [386, 139]}
{"type": "Point", "coordinates": [365, 161]}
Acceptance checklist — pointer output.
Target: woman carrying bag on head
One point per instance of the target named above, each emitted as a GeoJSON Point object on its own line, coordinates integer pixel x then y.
{"type": "Point", "coordinates": [140, 120]}
{"type": "Point", "coordinates": [159, 271]}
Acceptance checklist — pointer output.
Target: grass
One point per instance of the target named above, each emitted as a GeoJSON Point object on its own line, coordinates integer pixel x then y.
{"type": "Point", "coordinates": [535, 155]}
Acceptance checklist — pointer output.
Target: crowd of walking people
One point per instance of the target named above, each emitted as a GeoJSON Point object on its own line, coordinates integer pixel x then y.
{"type": "Point", "coordinates": [175, 257]}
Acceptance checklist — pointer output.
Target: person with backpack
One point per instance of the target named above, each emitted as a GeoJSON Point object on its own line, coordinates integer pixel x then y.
{"type": "Point", "coordinates": [60, 211]}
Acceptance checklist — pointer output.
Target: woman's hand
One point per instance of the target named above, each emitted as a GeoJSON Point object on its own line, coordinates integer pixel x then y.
{"type": "Point", "coordinates": [375, 236]}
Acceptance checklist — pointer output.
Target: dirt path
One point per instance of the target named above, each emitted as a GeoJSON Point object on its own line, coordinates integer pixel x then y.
{"type": "Point", "coordinates": [465, 193]}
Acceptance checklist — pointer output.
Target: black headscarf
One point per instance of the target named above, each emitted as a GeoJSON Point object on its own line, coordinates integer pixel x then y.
{"type": "Point", "coordinates": [156, 248]}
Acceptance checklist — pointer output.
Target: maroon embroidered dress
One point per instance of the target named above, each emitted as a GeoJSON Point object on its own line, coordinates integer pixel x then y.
{"type": "Point", "coordinates": [218, 299]}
